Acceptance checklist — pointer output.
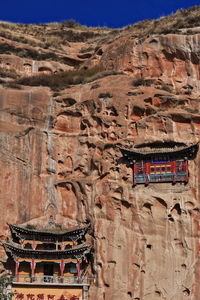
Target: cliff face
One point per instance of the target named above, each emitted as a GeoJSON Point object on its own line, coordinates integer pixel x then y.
{"type": "Point", "coordinates": [172, 58]}
{"type": "Point", "coordinates": [59, 156]}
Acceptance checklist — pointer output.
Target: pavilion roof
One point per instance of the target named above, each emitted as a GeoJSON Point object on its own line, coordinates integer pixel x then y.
{"type": "Point", "coordinates": [142, 152]}
{"type": "Point", "coordinates": [21, 232]}
{"type": "Point", "coordinates": [16, 251]}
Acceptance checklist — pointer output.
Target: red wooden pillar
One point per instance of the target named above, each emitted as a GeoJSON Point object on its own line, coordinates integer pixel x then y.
{"type": "Point", "coordinates": [134, 173]}
{"type": "Point", "coordinates": [62, 267]}
{"type": "Point", "coordinates": [78, 269]}
{"type": "Point", "coordinates": [17, 270]}
{"type": "Point", "coordinates": [186, 170]}
{"type": "Point", "coordinates": [147, 172]}
{"type": "Point", "coordinates": [174, 171]}
{"type": "Point", "coordinates": [32, 269]}
{"type": "Point", "coordinates": [143, 171]}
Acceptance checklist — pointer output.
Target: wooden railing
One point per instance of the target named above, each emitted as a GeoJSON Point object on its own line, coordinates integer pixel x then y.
{"type": "Point", "coordinates": [170, 177]}
{"type": "Point", "coordinates": [42, 279]}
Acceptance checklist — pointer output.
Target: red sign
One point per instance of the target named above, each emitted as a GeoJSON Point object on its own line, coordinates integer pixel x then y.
{"type": "Point", "coordinates": [22, 296]}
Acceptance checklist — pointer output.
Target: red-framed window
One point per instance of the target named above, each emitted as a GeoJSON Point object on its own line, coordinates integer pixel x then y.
{"type": "Point", "coordinates": [160, 168]}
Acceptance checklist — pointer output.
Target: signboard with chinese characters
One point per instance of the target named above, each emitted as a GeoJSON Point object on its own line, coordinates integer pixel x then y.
{"type": "Point", "coordinates": [30, 292]}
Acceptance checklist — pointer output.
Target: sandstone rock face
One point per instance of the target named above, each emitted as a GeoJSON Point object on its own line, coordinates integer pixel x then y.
{"type": "Point", "coordinates": [28, 67]}
{"type": "Point", "coordinates": [60, 157]}
{"type": "Point", "coordinates": [172, 58]}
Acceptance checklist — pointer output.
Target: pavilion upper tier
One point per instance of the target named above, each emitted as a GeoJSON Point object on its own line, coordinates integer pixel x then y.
{"type": "Point", "coordinates": [20, 233]}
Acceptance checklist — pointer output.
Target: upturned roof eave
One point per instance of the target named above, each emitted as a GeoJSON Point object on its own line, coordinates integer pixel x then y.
{"type": "Point", "coordinates": [83, 248]}
{"type": "Point", "coordinates": [164, 151]}
{"type": "Point", "coordinates": [22, 230]}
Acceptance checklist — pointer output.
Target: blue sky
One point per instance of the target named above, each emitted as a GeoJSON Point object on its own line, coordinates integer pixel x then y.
{"type": "Point", "coordinates": [112, 13]}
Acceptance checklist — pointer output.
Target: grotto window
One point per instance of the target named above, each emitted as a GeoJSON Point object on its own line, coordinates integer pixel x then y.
{"type": "Point", "coordinates": [45, 70]}
{"type": "Point", "coordinates": [27, 68]}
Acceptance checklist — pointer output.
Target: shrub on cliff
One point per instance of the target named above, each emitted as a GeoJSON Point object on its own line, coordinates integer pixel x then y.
{"type": "Point", "coordinates": [7, 73]}
{"type": "Point", "coordinates": [166, 88]}
{"type": "Point", "coordinates": [64, 79]}
{"type": "Point", "coordinates": [71, 23]}
{"type": "Point", "coordinates": [26, 52]}
{"type": "Point", "coordinates": [5, 291]}
{"type": "Point", "coordinates": [142, 81]}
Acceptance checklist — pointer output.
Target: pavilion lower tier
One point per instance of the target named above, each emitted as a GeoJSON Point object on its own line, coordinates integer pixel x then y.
{"type": "Point", "coordinates": [155, 172]}
{"type": "Point", "coordinates": [44, 271]}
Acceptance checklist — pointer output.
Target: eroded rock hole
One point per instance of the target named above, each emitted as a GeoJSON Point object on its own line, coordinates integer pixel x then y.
{"type": "Point", "coordinates": [83, 126]}
{"type": "Point", "coordinates": [45, 70]}
{"type": "Point", "coordinates": [69, 101]}
{"type": "Point", "coordinates": [186, 292]}
{"type": "Point", "coordinates": [158, 293]}
{"type": "Point", "coordinates": [176, 209]}
{"type": "Point", "coordinates": [135, 93]}
{"type": "Point", "coordinates": [161, 201]}
{"type": "Point", "coordinates": [138, 111]}
{"type": "Point", "coordinates": [99, 52]}
{"type": "Point", "coordinates": [170, 218]}
{"type": "Point", "coordinates": [184, 266]}
{"type": "Point", "coordinates": [147, 205]}
{"type": "Point", "coordinates": [148, 100]}
{"type": "Point", "coordinates": [105, 95]}
{"type": "Point", "coordinates": [112, 262]}
{"type": "Point", "coordinates": [95, 86]}
{"type": "Point", "coordinates": [137, 265]}
{"type": "Point", "coordinates": [126, 203]}
{"type": "Point", "coordinates": [84, 55]}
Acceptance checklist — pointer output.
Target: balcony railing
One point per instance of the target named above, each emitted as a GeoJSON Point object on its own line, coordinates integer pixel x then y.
{"type": "Point", "coordinates": [42, 279]}
{"type": "Point", "coordinates": [170, 177]}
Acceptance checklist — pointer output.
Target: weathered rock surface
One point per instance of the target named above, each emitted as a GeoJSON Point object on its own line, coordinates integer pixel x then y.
{"type": "Point", "coordinates": [172, 58]}
{"type": "Point", "coordinates": [59, 156]}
